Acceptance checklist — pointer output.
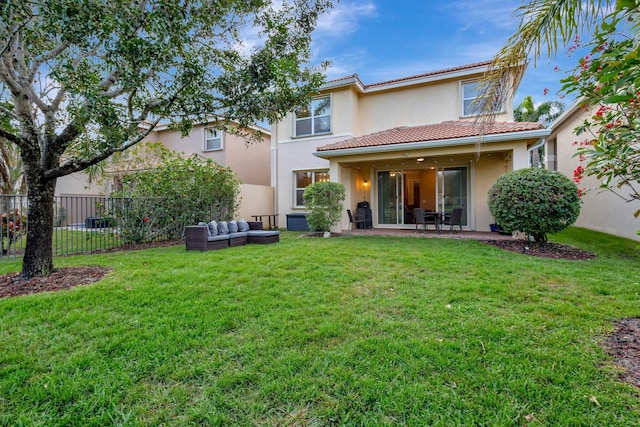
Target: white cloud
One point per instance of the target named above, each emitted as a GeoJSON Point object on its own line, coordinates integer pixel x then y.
{"type": "Point", "coordinates": [343, 19]}
{"type": "Point", "coordinates": [479, 15]}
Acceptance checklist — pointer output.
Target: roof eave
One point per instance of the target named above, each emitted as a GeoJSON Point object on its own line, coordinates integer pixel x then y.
{"type": "Point", "coordinates": [500, 137]}
{"type": "Point", "coordinates": [409, 81]}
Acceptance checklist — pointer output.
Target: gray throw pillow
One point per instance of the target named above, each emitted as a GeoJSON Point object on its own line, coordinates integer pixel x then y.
{"type": "Point", "coordinates": [223, 228]}
{"type": "Point", "coordinates": [233, 226]}
{"type": "Point", "coordinates": [243, 225]}
{"type": "Point", "coordinates": [213, 228]}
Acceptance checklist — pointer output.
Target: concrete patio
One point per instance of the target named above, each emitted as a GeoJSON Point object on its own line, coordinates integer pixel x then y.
{"type": "Point", "coordinates": [444, 234]}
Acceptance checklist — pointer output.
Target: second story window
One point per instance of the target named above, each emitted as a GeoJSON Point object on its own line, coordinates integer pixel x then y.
{"type": "Point", "coordinates": [470, 92]}
{"type": "Point", "coordinates": [212, 139]}
{"type": "Point", "coordinates": [314, 118]}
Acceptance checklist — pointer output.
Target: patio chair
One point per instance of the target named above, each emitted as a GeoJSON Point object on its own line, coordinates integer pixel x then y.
{"type": "Point", "coordinates": [418, 214]}
{"type": "Point", "coordinates": [357, 221]}
{"type": "Point", "coordinates": [454, 219]}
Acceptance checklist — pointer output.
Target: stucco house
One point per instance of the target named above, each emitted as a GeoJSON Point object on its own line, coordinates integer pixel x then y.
{"type": "Point", "coordinates": [401, 144]}
{"type": "Point", "coordinates": [250, 162]}
{"type": "Point", "coordinates": [601, 210]}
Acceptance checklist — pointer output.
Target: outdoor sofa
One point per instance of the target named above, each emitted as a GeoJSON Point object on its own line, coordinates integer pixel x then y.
{"type": "Point", "coordinates": [223, 234]}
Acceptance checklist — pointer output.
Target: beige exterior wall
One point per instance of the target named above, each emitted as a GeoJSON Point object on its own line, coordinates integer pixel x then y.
{"type": "Point", "coordinates": [488, 168]}
{"type": "Point", "coordinates": [250, 162]}
{"type": "Point", "coordinates": [255, 200]}
{"type": "Point", "coordinates": [414, 106]}
{"type": "Point", "coordinates": [601, 210]}
{"type": "Point", "coordinates": [77, 184]}
{"type": "Point", "coordinates": [296, 155]}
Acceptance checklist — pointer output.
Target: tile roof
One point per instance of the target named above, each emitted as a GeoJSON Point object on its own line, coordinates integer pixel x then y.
{"type": "Point", "coordinates": [435, 73]}
{"type": "Point", "coordinates": [434, 132]}
{"type": "Point", "coordinates": [414, 77]}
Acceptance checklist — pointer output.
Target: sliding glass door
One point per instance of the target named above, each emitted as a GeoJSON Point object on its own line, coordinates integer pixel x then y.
{"type": "Point", "coordinates": [390, 194]}
{"type": "Point", "coordinates": [432, 189]}
{"type": "Point", "coordinates": [452, 186]}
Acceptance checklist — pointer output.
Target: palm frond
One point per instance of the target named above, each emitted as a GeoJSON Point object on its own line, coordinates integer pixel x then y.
{"type": "Point", "coordinates": [543, 24]}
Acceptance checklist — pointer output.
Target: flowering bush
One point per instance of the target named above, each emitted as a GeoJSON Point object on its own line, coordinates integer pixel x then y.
{"type": "Point", "coordinates": [14, 226]}
{"type": "Point", "coordinates": [607, 80]}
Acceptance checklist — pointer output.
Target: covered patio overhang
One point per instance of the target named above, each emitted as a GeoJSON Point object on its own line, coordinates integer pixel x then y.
{"type": "Point", "coordinates": [436, 175]}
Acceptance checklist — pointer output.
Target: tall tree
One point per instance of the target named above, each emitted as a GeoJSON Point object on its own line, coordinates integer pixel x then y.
{"type": "Point", "coordinates": [88, 78]}
{"type": "Point", "coordinates": [546, 112]}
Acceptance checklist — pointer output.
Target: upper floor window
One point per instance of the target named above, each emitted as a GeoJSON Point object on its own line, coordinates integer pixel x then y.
{"type": "Point", "coordinates": [303, 180]}
{"type": "Point", "coordinates": [470, 92]}
{"type": "Point", "coordinates": [314, 118]}
{"type": "Point", "coordinates": [212, 139]}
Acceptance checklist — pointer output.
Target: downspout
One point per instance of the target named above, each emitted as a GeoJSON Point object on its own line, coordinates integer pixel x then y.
{"type": "Point", "coordinates": [537, 145]}
{"type": "Point", "coordinates": [274, 166]}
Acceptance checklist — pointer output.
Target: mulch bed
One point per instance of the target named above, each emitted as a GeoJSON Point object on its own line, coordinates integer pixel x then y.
{"type": "Point", "coordinates": [623, 344]}
{"type": "Point", "coordinates": [12, 285]}
{"type": "Point", "coordinates": [548, 250]}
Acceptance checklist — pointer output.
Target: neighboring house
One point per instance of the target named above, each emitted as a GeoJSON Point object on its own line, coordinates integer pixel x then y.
{"type": "Point", "coordinates": [250, 162]}
{"type": "Point", "coordinates": [399, 145]}
{"type": "Point", "coordinates": [601, 209]}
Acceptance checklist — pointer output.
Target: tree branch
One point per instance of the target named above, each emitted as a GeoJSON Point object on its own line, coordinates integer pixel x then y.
{"type": "Point", "coordinates": [76, 165]}
{"type": "Point", "coordinates": [8, 112]}
{"type": "Point", "coordinates": [10, 137]}
{"type": "Point", "coordinates": [37, 62]}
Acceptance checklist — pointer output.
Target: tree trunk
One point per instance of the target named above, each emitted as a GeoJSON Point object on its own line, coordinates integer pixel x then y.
{"type": "Point", "coordinates": [38, 256]}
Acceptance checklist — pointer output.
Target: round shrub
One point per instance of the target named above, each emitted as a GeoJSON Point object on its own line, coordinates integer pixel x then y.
{"type": "Point", "coordinates": [323, 201]}
{"type": "Point", "coordinates": [534, 201]}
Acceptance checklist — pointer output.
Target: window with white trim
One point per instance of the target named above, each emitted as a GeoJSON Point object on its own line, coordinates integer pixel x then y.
{"type": "Point", "coordinates": [470, 92]}
{"type": "Point", "coordinates": [302, 179]}
{"type": "Point", "coordinates": [212, 139]}
{"type": "Point", "coordinates": [314, 118]}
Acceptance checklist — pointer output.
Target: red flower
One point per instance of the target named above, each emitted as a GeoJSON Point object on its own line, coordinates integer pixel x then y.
{"type": "Point", "coordinates": [601, 110]}
{"type": "Point", "coordinates": [145, 219]}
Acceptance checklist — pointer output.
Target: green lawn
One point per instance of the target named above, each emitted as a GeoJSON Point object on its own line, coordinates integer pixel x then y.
{"type": "Point", "coordinates": [356, 330]}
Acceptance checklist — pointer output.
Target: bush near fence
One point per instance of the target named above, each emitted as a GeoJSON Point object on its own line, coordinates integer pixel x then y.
{"type": "Point", "coordinates": [92, 223]}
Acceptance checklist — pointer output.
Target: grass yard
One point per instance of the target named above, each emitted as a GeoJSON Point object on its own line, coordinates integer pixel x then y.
{"type": "Point", "coordinates": [355, 330]}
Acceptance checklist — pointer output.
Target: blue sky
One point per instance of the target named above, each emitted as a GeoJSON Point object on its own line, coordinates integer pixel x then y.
{"type": "Point", "coordinates": [386, 39]}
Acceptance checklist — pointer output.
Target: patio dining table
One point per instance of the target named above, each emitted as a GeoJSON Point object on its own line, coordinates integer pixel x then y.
{"type": "Point", "coordinates": [272, 218]}
{"type": "Point", "coordinates": [437, 218]}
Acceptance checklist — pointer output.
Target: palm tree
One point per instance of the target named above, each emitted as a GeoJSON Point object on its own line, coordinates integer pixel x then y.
{"type": "Point", "coordinates": [546, 112]}
{"type": "Point", "coordinates": [543, 24]}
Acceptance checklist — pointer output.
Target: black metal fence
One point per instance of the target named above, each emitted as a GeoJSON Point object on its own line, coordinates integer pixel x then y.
{"type": "Point", "coordinates": [81, 224]}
